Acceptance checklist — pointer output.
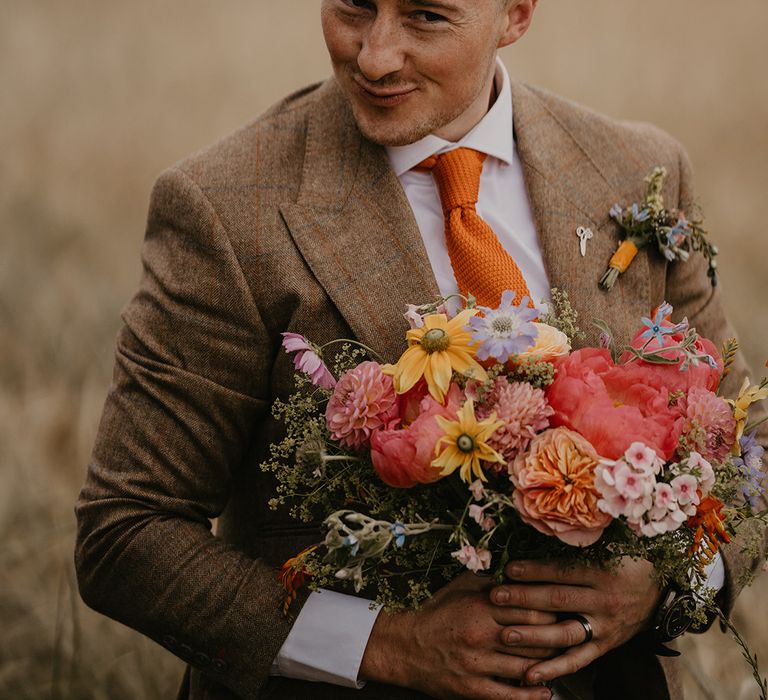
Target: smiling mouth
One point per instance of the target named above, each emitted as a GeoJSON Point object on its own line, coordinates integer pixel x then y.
{"type": "Point", "coordinates": [383, 97]}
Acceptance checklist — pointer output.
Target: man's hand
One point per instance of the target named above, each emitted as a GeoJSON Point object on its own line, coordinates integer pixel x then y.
{"type": "Point", "coordinates": [617, 606]}
{"type": "Point", "coordinates": [452, 646]}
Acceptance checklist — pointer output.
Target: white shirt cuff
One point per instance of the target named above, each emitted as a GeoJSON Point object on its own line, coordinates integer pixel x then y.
{"type": "Point", "coordinates": [715, 573]}
{"type": "Point", "coordinates": [328, 639]}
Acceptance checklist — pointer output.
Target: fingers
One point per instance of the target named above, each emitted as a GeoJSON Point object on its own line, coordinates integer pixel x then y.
{"type": "Point", "coordinates": [546, 597]}
{"type": "Point", "coordinates": [565, 664]}
{"type": "Point", "coordinates": [511, 615]}
{"type": "Point", "coordinates": [489, 689]}
{"type": "Point", "coordinates": [569, 633]}
{"type": "Point", "coordinates": [554, 572]}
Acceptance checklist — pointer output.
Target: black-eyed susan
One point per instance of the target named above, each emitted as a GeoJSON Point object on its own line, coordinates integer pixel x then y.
{"type": "Point", "coordinates": [465, 444]}
{"type": "Point", "coordinates": [437, 350]}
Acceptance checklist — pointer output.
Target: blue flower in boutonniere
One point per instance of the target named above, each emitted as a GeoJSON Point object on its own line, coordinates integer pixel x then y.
{"type": "Point", "coordinates": [674, 235]}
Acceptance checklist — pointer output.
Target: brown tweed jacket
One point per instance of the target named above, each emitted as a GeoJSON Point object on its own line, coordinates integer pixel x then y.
{"type": "Point", "coordinates": [297, 223]}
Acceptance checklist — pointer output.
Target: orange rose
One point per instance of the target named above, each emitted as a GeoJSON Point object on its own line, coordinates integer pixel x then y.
{"type": "Point", "coordinates": [555, 487]}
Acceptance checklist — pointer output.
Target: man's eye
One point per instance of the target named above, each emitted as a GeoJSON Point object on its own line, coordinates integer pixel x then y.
{"type": "Point", "coordinates": [360, 3]}
{"type": "Point", "coordinates": [429, 17]}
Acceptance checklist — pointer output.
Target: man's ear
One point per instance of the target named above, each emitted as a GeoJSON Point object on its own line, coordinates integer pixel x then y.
{"type": "Point", "coordinates": [518, 16]}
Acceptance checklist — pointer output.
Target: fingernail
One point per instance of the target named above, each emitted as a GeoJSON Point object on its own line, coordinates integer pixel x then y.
{"type": "Point", "coordinates": [513, 637]}
{"type": "Point", "coordinates": [514, 570]}
{"type": "Point", "coordinates": [502, 596]}
{"type": "Point", "coordinates": [536, 678]}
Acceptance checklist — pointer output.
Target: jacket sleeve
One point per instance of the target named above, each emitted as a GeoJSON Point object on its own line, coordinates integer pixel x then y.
{"type": "Point", "coordinates": [690, 292]}
{"type": "Point", "coordinates": [190, 381]}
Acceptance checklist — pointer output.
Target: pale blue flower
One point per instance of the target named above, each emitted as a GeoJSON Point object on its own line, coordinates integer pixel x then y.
{"type": "Point", "coordinates": [506, 331]}
{"type": "Point", "coordinates": [638, 214]}
{"type": "Point", "coordinates": [398, 530]}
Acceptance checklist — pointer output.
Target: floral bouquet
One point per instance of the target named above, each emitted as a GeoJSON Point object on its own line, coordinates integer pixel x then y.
{"type": "Point", "coordinates": [490, 440]}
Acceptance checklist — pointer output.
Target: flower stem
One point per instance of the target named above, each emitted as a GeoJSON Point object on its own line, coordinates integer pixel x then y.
{"type": "Point", "coordinates": [370, 351]}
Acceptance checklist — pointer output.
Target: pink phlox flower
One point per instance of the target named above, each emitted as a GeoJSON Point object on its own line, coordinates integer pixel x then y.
{"type": "Point", "coordinates": [631, 483]}
{"type": "Point", "coordinates": [474, 559]}
{"type": "Point", "coordinates": [477, 513]}
{"type": "Point", "coordinates": [364, 400]}
{"type": "Point", "coordinates": [643, 458]}
{"type": "Point", "coordinates": [625, 492]}
{"type": "Point", "coordinates": [706, 473]}
{"type": "Point", "coordinates": [524, 411]}
{"type": "Point", "coordinates": [308, 360]}
{"type": "Point", "coordinates": [685, 489]}
{"type": "Point", "coordinates": [477, 489]}
{"type": "Point", "coordinates": [664, 496]}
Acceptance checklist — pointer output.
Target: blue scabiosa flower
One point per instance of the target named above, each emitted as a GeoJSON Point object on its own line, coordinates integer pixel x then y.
{"type": "Point", "coordinates": [616, 212]}
{"type": "Point", "coordinates": [500, 333]}
{"type": "Point", "coordinates": [750, 466]}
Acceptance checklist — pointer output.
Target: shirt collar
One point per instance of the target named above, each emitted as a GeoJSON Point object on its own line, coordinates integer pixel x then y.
{"type": "Point", "coordinates": [492, 135]}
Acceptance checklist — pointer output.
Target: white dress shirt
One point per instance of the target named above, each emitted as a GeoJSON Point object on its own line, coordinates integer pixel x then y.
{"type": "Point", "coordinates": [330, 634]}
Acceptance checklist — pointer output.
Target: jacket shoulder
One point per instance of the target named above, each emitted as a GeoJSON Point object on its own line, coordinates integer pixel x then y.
{"type": "Point", "coordinates": [265, 145]}
{"type": "Point", "coordinates": [592, 126]}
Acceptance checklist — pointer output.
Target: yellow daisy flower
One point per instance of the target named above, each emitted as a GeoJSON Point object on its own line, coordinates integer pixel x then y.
{"type": "Point", "coordinates": [465, 445]}
{"type": "Point", "coordinates": [747, 396]}
{"type": "Point", "coordinates": [435, 351]}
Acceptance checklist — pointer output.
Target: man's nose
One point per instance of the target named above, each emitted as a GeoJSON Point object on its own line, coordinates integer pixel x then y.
{"type": "Point", "coordinates": [382, 51]}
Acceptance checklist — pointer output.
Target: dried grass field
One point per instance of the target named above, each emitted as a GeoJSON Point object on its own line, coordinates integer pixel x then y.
{"type": "Point", "coordinates": [97, 97]}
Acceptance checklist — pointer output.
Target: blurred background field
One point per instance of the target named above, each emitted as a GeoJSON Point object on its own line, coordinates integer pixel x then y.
{"type": "Point", "coordinates": [97, 97]}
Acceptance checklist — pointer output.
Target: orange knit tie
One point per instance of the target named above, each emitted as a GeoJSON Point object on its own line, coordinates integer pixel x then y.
{"type": "Point", "coordinates": [480, 263]}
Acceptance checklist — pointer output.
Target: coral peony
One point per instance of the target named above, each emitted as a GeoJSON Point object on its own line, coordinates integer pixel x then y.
{"type": "Point", "coordinates": [709, 424]}
{"type": "Point", "coordinates": [555, 487]}
{"type": "Point", "coordinates": [364, 400]}
{"type": "Point", "coordinates": [522, 409]}
{"type": "Point", "coordinates": [403, 457]}
{"type": "Point", "coordinates": [702, 374]}
{"type": "Point", "coordinates": [613, 406]}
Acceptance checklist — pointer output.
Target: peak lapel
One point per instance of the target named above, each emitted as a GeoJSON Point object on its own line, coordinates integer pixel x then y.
{"type": "Point", "coordinates": [567, 189]}
{"type": "Point", "coordinates": [355, 228]}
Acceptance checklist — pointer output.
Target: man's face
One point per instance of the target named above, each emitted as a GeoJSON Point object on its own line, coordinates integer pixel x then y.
{"type": "Point", "coordinates": [415, 67]}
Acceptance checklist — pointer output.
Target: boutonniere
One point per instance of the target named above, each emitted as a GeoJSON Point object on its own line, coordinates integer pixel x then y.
{"type": "Point", "coordinates": [651, 222]}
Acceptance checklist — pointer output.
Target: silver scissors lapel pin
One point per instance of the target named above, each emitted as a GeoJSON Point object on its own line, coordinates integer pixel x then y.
{"type": "Point", "coordinates": [584, 235]}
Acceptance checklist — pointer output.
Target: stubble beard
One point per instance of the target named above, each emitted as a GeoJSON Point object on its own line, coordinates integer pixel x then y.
{"type": "Point", "coordinates": [389, 131]}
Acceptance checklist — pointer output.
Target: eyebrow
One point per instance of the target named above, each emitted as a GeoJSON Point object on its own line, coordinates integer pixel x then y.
{"type": "Point", "coordinates": [434, 4]}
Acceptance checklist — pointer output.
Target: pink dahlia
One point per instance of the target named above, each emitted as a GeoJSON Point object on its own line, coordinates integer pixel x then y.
{"type": "Point", "coordinates": [364, 400]}
{"type": "Point", "coordinates": [709, 424]}
{"type": "Point", "coordinates": [524, 411]}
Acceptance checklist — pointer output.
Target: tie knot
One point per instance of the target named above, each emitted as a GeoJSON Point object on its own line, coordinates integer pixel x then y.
{"type": "Point", "coordinates": [457, 176]}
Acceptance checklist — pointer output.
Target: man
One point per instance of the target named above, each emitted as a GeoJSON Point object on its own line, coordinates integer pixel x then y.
{"type": "Point", "coordinates": [313, 220]}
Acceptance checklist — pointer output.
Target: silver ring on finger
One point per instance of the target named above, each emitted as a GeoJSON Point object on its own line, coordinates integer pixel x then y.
{"type": "Point", "coordinates": [588, 631]}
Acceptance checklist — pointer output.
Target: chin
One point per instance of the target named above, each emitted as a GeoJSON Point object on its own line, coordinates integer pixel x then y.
{"type": "Point", "coordinates": [392, 131]}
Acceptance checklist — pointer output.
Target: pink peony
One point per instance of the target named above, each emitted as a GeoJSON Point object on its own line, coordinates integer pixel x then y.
{"type": "Point", "coordinates": [613, 406]}
{"type": "Point", "coordinates": [670, 375]}
{"type": "Point", "coordinates": [403, 457]}
{"type": "Point", "coordinates": [555, 487]}
{"type": "Point", "coordinates": [308, 360]}
{"type": "Point", "coordinates": [364, 400]}
{"type": "Point", "coordinates": [524, 411]}
{"type": "Point", "coordinates": [709, 424]}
